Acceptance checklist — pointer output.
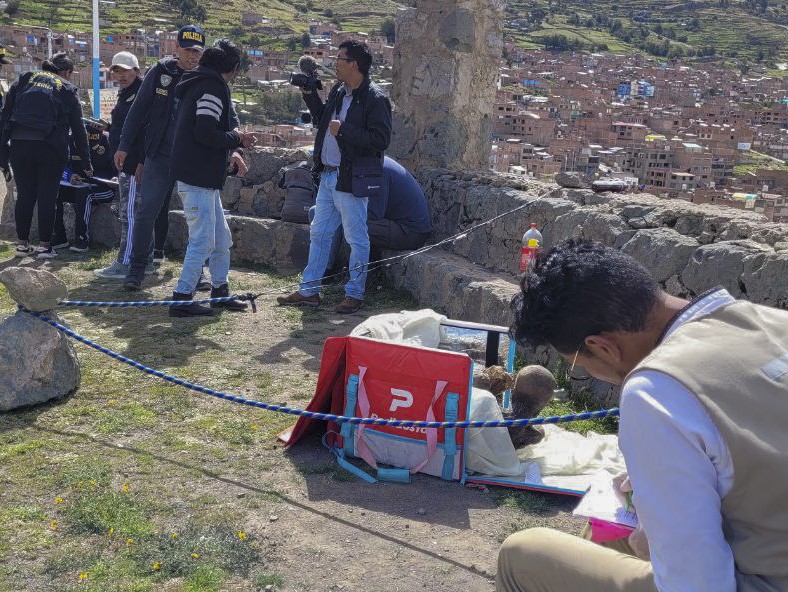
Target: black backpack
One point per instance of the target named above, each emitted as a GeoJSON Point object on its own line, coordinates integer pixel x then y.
{"type": "Point", "coordinates": [37, 105]}
{"type": "Point", "coordinates": [297, 179]}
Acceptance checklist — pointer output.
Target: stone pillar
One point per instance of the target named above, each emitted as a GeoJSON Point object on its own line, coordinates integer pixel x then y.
{"type": "Point", "coordinates": [446, 62]}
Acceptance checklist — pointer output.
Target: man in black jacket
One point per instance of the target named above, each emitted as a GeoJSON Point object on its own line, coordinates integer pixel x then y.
{"type": "Point", "coordinates": [357, 117]}
{"type": "Point", "coordinates": [205, 136]}
{"type": "Point", "coordinates": [125, 71]}
{"type": "Point", "coordinates": [153, 114]}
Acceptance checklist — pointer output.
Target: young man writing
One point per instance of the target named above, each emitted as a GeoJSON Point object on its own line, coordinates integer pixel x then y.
{"type": "Point", "coordinates": [704, 405]}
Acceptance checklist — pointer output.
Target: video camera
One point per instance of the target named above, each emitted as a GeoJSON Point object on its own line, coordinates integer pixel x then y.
{"type": "Point", "coordinates": [307, 78]}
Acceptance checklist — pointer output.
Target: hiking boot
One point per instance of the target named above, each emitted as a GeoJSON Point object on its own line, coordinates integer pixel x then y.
{"type": "Point", "coordinates": [23, 251]}
{"type": "Point", "coordinates": [150, 269]}
{"type": "Point", "coordinates": [61, 242]}
{"type": "Point", "coordinates": [116, 271]}
{"type": "Point", "coordinates": [79, 246]}
{"type": "Point", "coordinates": [188, 308]}
{"type": "Point", "coordinates": [158, 256]}
{"type": "Point", "coordinates": [222, 292]}
{"type": "Point", "coordinates": [45, 252]}
{"type": "Point", "coordinates": [349, 305]}
{"type": "Point", "coordinates": [296, 299]}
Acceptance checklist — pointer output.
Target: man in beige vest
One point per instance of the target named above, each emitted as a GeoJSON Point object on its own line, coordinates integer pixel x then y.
{"type": "Point", "coordinates": [704, 428]}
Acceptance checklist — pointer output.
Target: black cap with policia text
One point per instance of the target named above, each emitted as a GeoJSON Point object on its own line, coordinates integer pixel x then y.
{"type": "Point", "coordinates": [191, 36]}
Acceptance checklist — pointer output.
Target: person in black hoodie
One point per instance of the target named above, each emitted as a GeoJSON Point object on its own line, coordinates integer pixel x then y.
{"type": "Point", "coordinates": [125, 71]}
{"type": "Point", "coordinates": [39, 110]}
{"type": "Point", "coordinates": [153, 115]}
{"type": "Point", "coordinates": [206, 135]}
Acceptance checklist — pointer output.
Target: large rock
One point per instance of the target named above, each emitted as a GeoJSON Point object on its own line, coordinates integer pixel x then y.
{"type": "Point", "coordinates": [37, 362]}
{"type": "Point", "coordinates": [35, 289]}
{"type": "Point", "coordinates": [723, 264]}
{"type": "Point", "coordinates": [571, 180]}
{"type": "Point", "coordinates": [663, 251]}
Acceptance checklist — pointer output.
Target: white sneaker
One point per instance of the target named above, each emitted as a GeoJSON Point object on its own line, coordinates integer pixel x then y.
{"type": "Point", "coordinates": [45, 253]}
{"type": "Point", "coordinates": [116, 271]}
{"type": "Point", "coordinates": [23, 251]}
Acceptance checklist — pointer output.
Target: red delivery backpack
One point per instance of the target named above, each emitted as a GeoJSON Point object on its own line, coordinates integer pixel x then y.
{"type": "Point", "coordinates": [362, 377]}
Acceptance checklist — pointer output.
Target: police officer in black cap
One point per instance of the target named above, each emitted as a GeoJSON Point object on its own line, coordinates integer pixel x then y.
{"type": "Point", "coordinates": [153, 114]}
{"type": "Point", "coordinates": [40, 109]}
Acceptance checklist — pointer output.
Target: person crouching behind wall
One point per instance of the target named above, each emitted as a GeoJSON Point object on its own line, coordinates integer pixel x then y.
{"type": "Point", "coordinates": [206, 136]}
{"type": "Point", "coordinates": [40, 109]}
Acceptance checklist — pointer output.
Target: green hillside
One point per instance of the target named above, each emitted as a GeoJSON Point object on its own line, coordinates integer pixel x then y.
{"type": "Point", "coordinates": [750, 32]}
{"type": "Point", "coordinates": [283, 18]}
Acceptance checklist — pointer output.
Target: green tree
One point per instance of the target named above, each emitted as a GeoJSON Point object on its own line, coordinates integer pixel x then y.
{"type": "Point", "coordinates": [306, 40]}
{"type": "Point", "coordinates": [387, 27]}
{"type": "Point", "coordinates": [12, 7]}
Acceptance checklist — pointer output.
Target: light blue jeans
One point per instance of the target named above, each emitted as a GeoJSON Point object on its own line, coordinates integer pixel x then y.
{"type": "Point", "coordinates": [334, 209]}
{"type": "Point", "coordinates": [209, 237]}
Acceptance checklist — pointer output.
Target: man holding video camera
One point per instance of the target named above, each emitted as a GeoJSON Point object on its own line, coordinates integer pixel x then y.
{"type": "Point", "coordinates": [354, 130]}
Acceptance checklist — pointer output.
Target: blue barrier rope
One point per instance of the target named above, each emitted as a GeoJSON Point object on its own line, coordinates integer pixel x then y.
{"type": "Point", "coordinates": [129, 304]}
{"type": "Point", "coordinates": [312, 414]}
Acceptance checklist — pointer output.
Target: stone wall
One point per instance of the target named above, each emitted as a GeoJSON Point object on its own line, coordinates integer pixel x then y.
{"type": "Point", "coordinates": [445, 77]}
{"type": "Point", "coordinates": [689, 248]}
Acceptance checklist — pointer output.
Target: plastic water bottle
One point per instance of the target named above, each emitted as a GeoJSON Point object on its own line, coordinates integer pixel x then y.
{"type": "Point", "coordinates": [532, 244]}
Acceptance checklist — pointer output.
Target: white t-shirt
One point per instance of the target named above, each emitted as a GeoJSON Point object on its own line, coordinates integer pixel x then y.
{"type": "Point", "coordinates": [680, 468]}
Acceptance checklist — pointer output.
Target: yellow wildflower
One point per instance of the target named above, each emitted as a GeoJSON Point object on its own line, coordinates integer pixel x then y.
{"type": "Point", "coordinates": [196, 555]}
{"type": "Point", "coordinates": [111, 531]}
{"type": "Point", "coordinates": [241, 535]}
{"type": "Point", "coordinates": [157, 566]}
{"type": "Point", "coordinates": [175, 536]}
{"type": "Point", "coordinates": [58, 500]}
{"type": "Point", "coordinates": [255, 427]}
{"type": "Point", "coordinates": [126, 488]}
{"type": "Point", "coordinates": [129, 541]}
{"type": "Point", "coordinates": [83, 575]}
{"type": "Point", "coordinates": [53, 524]}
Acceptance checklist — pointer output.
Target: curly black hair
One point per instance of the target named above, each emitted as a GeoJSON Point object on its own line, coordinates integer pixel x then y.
{"type": "Point", "coordinates": [224, 56]}
{"type": "Point", "coordinates": [581, 288]}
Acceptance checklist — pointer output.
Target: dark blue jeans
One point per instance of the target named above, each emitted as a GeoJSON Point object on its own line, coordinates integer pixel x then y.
{"type": "Point", "coordinates": [158, 184]}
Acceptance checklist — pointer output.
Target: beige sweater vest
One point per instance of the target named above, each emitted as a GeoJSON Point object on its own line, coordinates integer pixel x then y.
{"type": "Point", "coordinates": [735, 361]}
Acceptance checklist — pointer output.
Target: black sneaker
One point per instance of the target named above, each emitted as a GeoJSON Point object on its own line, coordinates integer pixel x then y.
{"type": "Point", "coordinates": [158, 256]}
{"type": "Point", "coordinates": [79, 246]}
{"type": "Point", "coordinates": [188, 308]}
{"type": "Point", "coordinates": [222, 292]}
{"type": "Point", "coordinates": [60, 242]}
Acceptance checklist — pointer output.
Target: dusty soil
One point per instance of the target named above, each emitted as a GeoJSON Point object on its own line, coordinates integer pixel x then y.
{"type": "Point", "coordinates": [194, 459]}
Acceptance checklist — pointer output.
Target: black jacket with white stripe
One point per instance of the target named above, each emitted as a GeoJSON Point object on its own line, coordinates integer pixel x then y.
{"type": "Point", "coordinates": [204, 133]}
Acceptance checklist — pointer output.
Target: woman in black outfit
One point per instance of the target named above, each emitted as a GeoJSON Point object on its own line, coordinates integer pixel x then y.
{"type": "Point", "coordinates": [39, 110]}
